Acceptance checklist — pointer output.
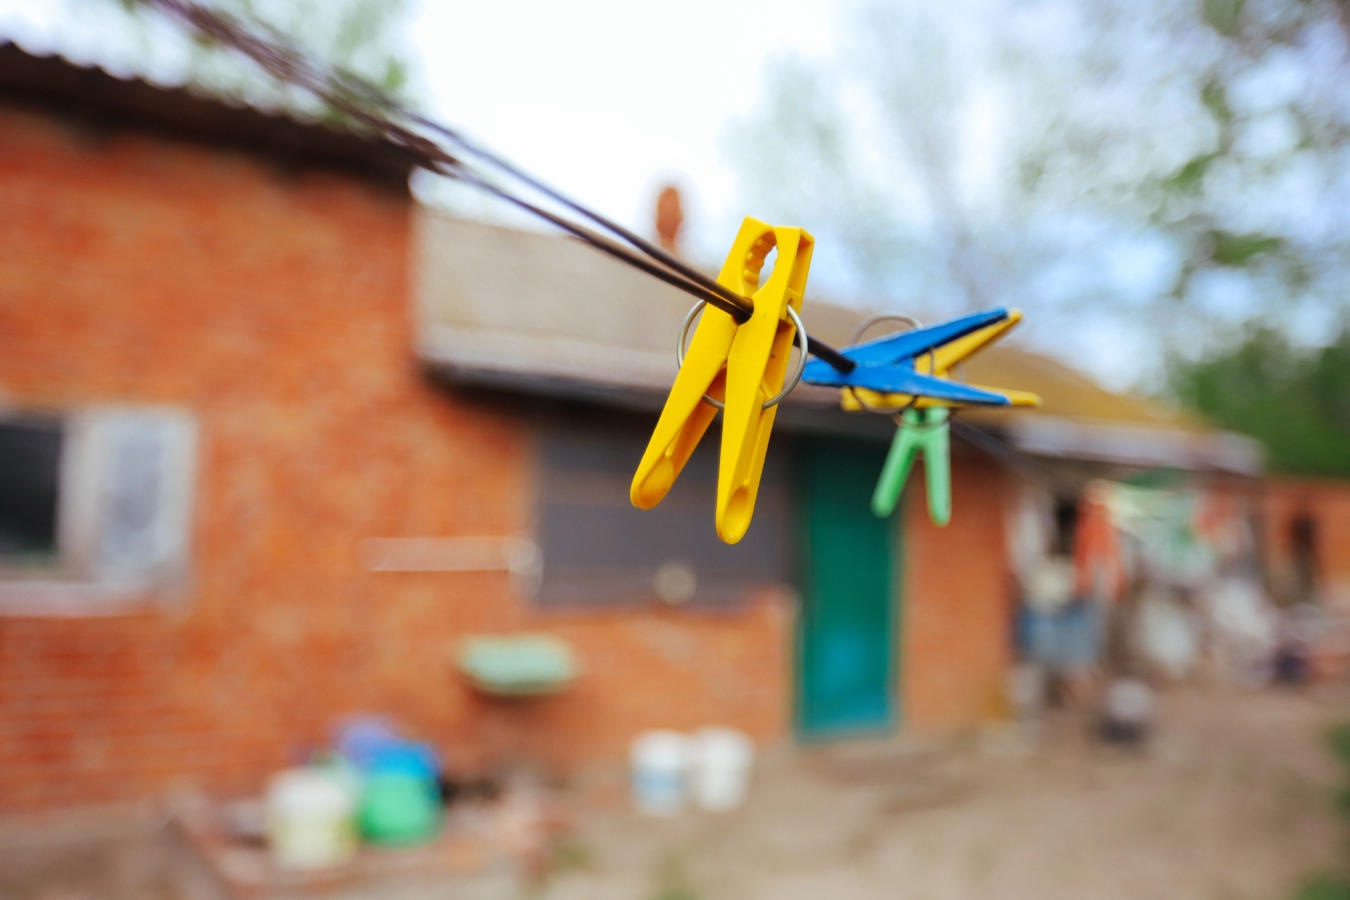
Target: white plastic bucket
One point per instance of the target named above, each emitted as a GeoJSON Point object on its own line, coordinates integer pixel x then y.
{"type": "Point", "coordinates": [722, 760]}
{"type": "Point", "coordinates": [660, 763]}
{"type": "Point", "coordinates": [310, 820]}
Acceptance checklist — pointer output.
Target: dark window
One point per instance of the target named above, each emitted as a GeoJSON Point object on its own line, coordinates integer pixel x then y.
{"type": "Point", "coordinates": [598, 550]}
{"type": "Point", "coordinates": [1066, 526]}
{"type": "Point", "coordinates": [1303, 553]}
{"type": "Point", "coordinates": [30, 466]}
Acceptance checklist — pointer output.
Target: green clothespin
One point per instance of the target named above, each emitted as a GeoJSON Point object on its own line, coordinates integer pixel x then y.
{"type": "Point", "coordinates": [920, 431]}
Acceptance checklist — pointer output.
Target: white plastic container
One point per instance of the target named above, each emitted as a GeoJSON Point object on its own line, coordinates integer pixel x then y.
{"type": "Point", "coordinates": [311, 820]}
{"type": "Point", "coordinates": [720, 768]}
{"type": "Point", "coordinates": [660, 764]}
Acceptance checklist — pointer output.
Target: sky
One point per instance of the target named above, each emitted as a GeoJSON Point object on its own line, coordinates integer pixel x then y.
{"type": "Point", "coordinates": [605, 99]}
{"type": "Point", "coordinates": [610, 99]}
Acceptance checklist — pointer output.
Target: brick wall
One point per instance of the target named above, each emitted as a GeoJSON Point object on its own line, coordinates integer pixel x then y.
{"type": "Point", "coordinates": [273, 305]}
{"type": "Point", "coordinates": [1327, 504]}
{"type": "Point", "coordinates": [957, 604]}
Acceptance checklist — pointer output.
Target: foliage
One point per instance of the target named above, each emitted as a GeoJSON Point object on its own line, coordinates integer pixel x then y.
{"type": "Point", "coordinates": [672, 880]}
{"type": "Point", "coordinates": [1338, 739]}
{"type": "Point", "coordinates": [1269, 137]}
{"type": "Point", "coordinates": [359, 36]}
{"type": "Point", "coordinates": [1333, 885]}
{"type": "Point", "coordinates": [1327, 886]}
{"type": "Point", "coordinates": [1032, 152]}
{"type": "Point", "coordinates": [1295, 400]}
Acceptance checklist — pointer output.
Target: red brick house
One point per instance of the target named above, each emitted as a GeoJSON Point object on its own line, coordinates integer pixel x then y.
{"type": "Point", "coordinates": [274, 441]}
{"type": "Point", "coordinates": [1307, 525]}
{"type": "Point", "coordinates": [232, 290]}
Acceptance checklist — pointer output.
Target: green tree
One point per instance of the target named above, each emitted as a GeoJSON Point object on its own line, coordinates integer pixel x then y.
{"type": "Point", "coordinates": [359, 36]}
{"type": "Point", "coordinates": [1143, 162]}
{"type": "Point", "coordinates": [1244, 165]}
{"type": "Point", "coordinates": [1334, 884]}
{"type": "Point", "coordinates": [1296, 401]}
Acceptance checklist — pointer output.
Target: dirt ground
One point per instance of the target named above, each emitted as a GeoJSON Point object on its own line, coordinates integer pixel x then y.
{"type": "Point", "coordinates": [1232, 799]}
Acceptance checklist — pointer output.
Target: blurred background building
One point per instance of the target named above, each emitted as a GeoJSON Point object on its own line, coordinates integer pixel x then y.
{"type": "Point", "coordinates": [277, 440]}
{"type": "Point", "coordinates": [284, 442]}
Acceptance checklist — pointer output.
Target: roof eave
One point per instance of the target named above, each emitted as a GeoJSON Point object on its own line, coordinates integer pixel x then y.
{"type": "Point", "coordinates": [66, 88]}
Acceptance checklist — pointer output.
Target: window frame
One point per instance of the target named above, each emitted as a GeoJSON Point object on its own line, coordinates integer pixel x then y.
{"type": "Point", "coordinates": [77, 582]}
{"type": "Point", "coordinates": [716, 594]}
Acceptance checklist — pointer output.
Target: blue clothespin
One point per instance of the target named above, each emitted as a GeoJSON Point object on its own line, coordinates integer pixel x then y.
{"type": "Point", "coordinates": [887, 378]}
{"type": "Point", "coordinates": [890, 365]}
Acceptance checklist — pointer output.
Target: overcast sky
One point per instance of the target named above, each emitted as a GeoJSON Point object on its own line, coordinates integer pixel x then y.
{"type": "Point", "coordinates": [603, 98]}
{"type": "Point", "coordinates": [608, 99]}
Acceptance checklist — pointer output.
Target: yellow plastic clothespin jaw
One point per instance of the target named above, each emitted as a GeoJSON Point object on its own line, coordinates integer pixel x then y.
{"type": "Point", "coordinates": [743, 365]}
{"type": "Point", "coordinates": [940, 362]}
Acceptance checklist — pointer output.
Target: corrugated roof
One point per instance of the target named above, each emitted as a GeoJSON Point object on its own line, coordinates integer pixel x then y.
{"type": "Point", "coordinates": [547, 313]}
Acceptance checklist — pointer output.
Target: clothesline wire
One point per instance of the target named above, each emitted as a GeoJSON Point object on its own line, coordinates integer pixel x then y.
{"type": "Point", "coordinates": [1004, 452]}
{"type": "Point", "coordinates": [375, 109]}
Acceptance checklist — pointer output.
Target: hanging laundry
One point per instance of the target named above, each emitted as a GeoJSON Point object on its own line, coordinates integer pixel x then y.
{"type": "Point", "coordinates": [1099, 567]}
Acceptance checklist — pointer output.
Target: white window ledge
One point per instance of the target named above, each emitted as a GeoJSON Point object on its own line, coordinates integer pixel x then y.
{"type": "Point", "coordinates": [54, 598]}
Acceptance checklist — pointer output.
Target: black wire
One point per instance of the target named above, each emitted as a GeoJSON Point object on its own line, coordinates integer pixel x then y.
{"type": "Point", "coordinates": [735, 304]}
{"type": "Point", "coordinates": [836, 360]}
{"type": "Point", "coordinates": [743, 309]}
{"type": "Point", "coordinates": [1004, 452]}
{"type": "Point", "coordinates": [598, 241]}
{"type": "Point", "coordinates": [340, 89]}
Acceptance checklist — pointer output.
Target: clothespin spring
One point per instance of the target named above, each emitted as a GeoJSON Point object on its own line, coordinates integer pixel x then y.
{"type": "Point", "coordinates": [792, 381]}
{"type": "Point", "coordinates": [862, 329]}
{"type": "Point", "coordinates": [918, 432]}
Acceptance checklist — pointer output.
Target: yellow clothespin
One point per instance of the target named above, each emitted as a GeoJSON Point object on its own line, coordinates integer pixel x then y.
{"type": "Point", "coordinates": [744, 364]}
{"type": "Point", "coordinates": [940, 362]}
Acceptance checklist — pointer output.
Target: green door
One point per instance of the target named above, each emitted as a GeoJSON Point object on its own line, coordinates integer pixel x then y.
{"type": "Point", "coordinates": [847, 626]}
